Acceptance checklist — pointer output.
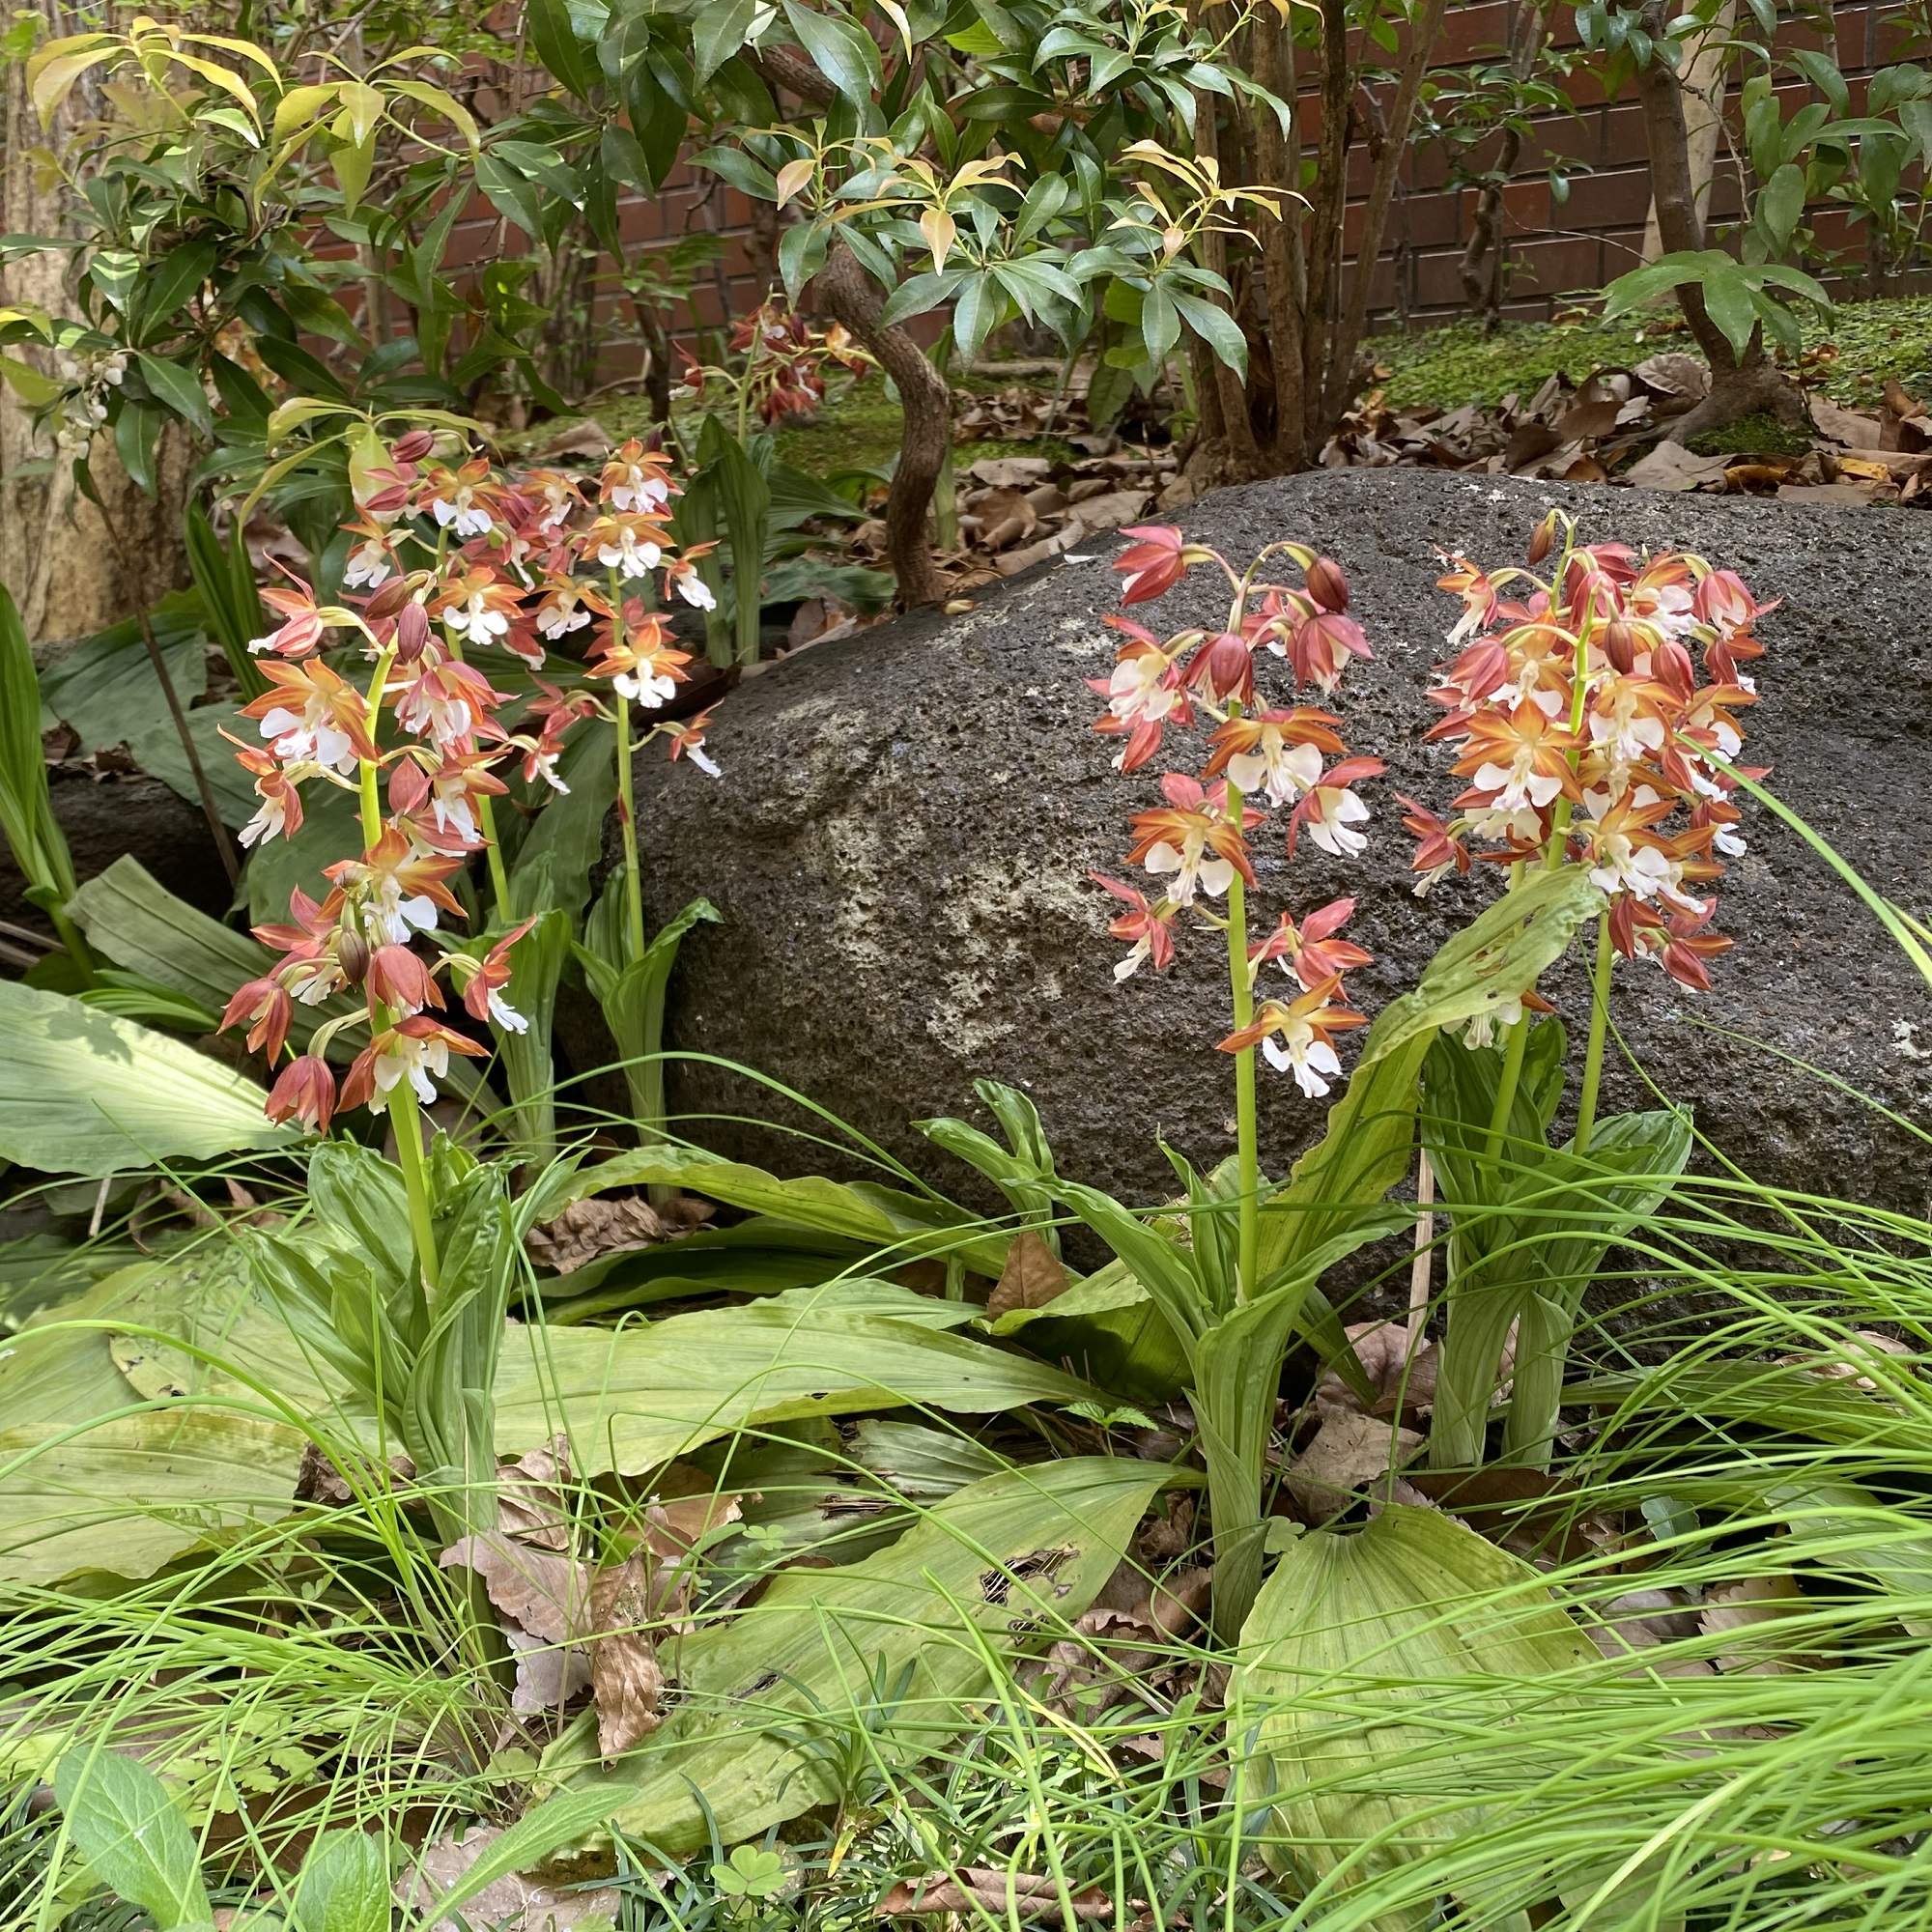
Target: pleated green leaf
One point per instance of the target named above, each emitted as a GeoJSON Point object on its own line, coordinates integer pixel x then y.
{"type": "Point", "coordinates": [1380, 1670]}
{"type": "Point", "coordinates": [899, 1644]}
{"type": "Point", "coordinates": [84, 1092]}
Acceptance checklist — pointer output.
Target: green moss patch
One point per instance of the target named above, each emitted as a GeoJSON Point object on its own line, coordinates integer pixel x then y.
{"type": "Point", "coordinates": [1851, 357]}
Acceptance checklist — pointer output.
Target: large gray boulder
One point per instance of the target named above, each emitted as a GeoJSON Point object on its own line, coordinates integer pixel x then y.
{"type": "Point", "coordinates": [901, 841]}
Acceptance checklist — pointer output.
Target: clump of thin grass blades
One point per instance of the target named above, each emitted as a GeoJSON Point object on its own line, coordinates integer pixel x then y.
{"type": "Point", "coordinates": [1740, 1518]}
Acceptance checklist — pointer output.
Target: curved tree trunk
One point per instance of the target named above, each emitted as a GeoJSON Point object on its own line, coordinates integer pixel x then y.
{"type": "Point", "coordinates": [1741, 386]}
{"type": "Point", "coordinates": [55, 555]}
{"type": "Point", "coordinates": [850, 294]}
{"type": "Point", "coordinates": [845, 289]}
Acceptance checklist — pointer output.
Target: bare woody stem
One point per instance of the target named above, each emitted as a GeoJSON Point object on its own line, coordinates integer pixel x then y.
{"type": "Point", "coordinates": [845, 288]}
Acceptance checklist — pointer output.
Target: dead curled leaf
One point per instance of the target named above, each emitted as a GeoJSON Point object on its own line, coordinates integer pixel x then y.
{"type": "Point", "coordinates": [577, 1625]}
{"type": "Point", "coordinates": [1401, 1379]}
{"type": "Point", "coordinates": [1349, 1453]}
{"type": "Point", "coordinates": [1854, 1360]}
{"type": "Point", "coordinates": [1750, 1610]}
{"type": "Point", "coordinates": [975, 1889]}
{"type": "Point", "coordinates": [625, 1675]}
{"type": "Point", "coordinates": [320, 1480]}
{"type": "Point", "coordinates": [513, 1904]}
{"type": "Point", "coordinates": [601, 1225]}
{"type": "Point", "coordinates": [1032, 1277]}
{"type": "Point", "coordinates": [529, 1496]}
{"type": "Point", "coordinates": [1128, 1636]}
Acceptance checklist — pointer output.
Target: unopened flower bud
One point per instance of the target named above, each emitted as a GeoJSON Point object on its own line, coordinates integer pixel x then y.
{"type": "Point", "coordinates": [415, 447]}
{"type": "Point", "coordinates": [351, 954]}
{"type": "Point", "coordinates": [1671, 666]}
{"type": "Point", "coordinates": [1620, 639]}
{"type": "Point", "coordinates": [1326, 585]}
{"type": "Point", "coordinates": [1224, 668]}
{"type": "Point", "coordinates": [1543, 540]}
{"type": "Point", "coordinates": [388, 601]}
{"type": "Point", "coordinates": [304, 1092]}
{"type": "Point", "coordinates": [411, 632]}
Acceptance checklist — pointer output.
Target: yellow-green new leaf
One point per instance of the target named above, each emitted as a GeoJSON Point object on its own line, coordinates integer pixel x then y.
{"type": "Point", "coordinates": [52, 72]}
{"type": "Point", "coordinates": [84, 1092]}
{"type": "Point", "coordinates": [302, 106]}
{"type": "Point", "coordinates": [1380, 1673]}
{"type": "Point", "coordinates": [443, 104]}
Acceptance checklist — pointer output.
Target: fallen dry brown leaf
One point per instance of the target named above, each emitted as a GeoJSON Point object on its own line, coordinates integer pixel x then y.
{"type": "Point", "coordinates": [1032, 1277]}
{"type": "Point", "coordinates": [513, 1904]}
{"type": "Point", "coordinates": [1400, 1380]}
{"type": "Point", "coordinates": [1749, 1610]}
{"type": "Point", "coordinates": [603, 1225]}
{"type": "Point", "coordinates": [1350, 1452]}
{"type": "Point", "coordinates": [625, 1675]}
{"type": "Point", "coordinates": [976, 1888]}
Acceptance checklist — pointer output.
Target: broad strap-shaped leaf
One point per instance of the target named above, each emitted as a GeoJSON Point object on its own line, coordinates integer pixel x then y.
{"type": "Point", "coordinates": [84, 1092]}
{"type": "Point", "coordinates": [131, 918]}
{"type": "Point", "coordinates": [1492, 962]}
{"type": "Point", "coordinates": [896, 1643]}
{"type": "Point", "coordinates": [859, 1211]}
{"type": "Point", "coordinates": [651, 1391]}
{"type": "Point", "coordinates": [27, 819]}
{"type": "Point", "coordinates": [1379, 1673]}
{"type": "Point", "coordinates": [1162, 1266]}
{"type": "Point", "coordinates": [1369, 1142]}
{"type": "Point", "coordinates": [126, 1496]}
{"type": "Point", "coordinates": [1531, 1233]}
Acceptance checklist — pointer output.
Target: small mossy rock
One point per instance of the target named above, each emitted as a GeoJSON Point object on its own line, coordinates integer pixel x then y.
{"type": "Point", "coordinates": [901, 840]}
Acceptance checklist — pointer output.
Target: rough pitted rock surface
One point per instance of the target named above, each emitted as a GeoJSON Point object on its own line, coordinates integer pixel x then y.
{"type": "Point", "coordinates": [900, 843]}
{"type": "Point", "coordinates": [105, 818]}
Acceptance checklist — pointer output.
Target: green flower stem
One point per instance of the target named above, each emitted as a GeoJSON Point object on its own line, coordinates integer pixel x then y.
{"type": "Point", "coordinates": [1600, 1019]}
{"type": "Point", "coordinates": [1552, 861]}
{"type": "Point", "coordinates": [403, 1110]}
{"type": "Point", "coordinates": [1247, 1151]}
{"type": "Point", "coordinates": [634, 890]}
{"type": "Point", "coordinates": [1513, 1057]}
{"type": "Point", "coordinates": [486, 816]}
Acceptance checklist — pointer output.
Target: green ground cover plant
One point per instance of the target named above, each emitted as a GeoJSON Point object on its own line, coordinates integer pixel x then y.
{"type": "Point", "coordinates": [839, 1550]}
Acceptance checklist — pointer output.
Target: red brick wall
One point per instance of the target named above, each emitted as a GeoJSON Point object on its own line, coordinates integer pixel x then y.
{"type": "Point", "coordinates": [1560, 250]}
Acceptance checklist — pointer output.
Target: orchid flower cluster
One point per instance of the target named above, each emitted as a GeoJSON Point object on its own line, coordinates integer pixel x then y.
{"type": "Point", "coordinates": [1262, 757]}
{"type": "Point", "coordinates": [782, 366]}
{"type": "Point", "coordinates": [456, 561]}
{"type": "Point", "coordinates": [1587, 730]}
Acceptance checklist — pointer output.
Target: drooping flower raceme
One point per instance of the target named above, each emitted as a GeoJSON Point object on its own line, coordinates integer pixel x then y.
{"type": "Point", "coordinates": [391, 695]}
{"type": "Point", "coordinates": [1263, 757]}
{"type": "Point", "coordinates": [1592, 716]}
